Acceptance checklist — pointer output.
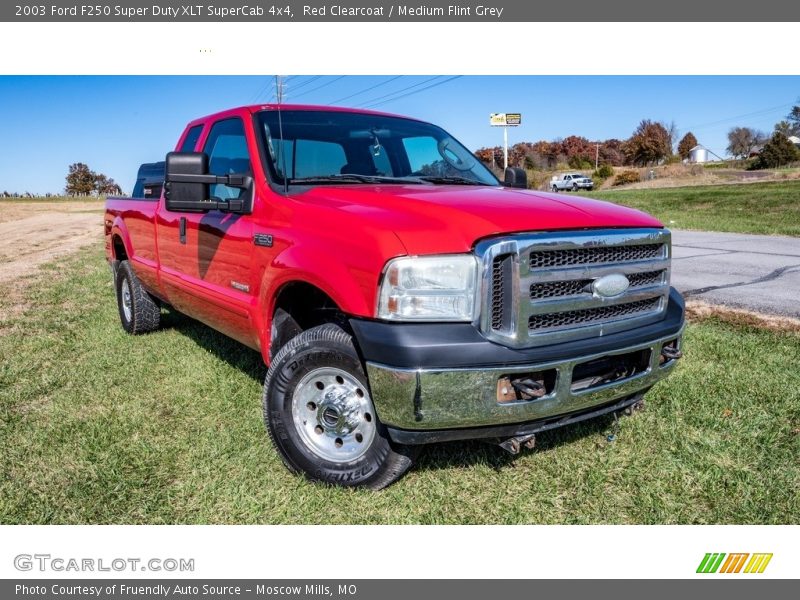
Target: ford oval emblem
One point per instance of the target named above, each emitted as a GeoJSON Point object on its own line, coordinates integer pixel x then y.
{"type": "Point", "coordinates": [609, 286]}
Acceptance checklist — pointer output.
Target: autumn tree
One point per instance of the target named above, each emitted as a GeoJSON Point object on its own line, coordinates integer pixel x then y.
{"type": "Point", "coordinates": [649, 144]}
{"type": "Point", "coordinates": [80, 180]}
{"type": "Point", "coordinates": [742, 141]}
{"type": "Point", "coordinates": [686, 144]}
{"type": "Point", "coordinates": [106, 186]}
{"type": "Point", "coordinates": [777, 152]}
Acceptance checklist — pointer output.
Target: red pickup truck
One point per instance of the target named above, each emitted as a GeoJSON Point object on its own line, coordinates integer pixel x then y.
{"type": "Point", "coordinates": [398, 291]}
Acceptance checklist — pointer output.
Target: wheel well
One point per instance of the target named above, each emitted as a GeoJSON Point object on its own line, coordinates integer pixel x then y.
{"type": "Point", "coordinates": [119, 248]}
{"type": "Point", "coordinates": [308, 306]}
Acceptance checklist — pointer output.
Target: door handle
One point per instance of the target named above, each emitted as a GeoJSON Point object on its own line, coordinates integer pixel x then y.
{"type": "Point", "coordinates": [182, 230]}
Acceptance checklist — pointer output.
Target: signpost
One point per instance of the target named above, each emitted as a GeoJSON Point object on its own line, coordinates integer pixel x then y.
{"type": "Point", "coordinates": [505, 120]}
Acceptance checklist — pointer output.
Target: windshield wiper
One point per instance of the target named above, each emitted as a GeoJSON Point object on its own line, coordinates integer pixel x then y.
{"type": "Point", "coordinates": [451, 179]}
{"type": "Point", "coordinates": [350, 177]}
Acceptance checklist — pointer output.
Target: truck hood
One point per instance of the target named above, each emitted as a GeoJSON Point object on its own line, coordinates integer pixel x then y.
{"type": "Point", "coordinates": [432, 219]}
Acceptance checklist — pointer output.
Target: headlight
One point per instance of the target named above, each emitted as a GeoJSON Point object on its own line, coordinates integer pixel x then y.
{"type": "Point", "coordinates": [429, 288]}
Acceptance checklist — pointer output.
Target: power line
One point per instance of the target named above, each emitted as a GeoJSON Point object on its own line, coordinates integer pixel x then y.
{"type": "Point", "coordinates": [307, 81]}
{"type": "Point", "coordinates": [401, 90]}
{"type": "Point", "coordinates": [433, 85]}
{"type": "Point", "coordinates": [262, 90]}
{"type": "Point", "coordinates": [319, 87]}
{"type": "Point", "coordinates": [752, 114]}
{"type": "Point", "coordinates": [377, 85]}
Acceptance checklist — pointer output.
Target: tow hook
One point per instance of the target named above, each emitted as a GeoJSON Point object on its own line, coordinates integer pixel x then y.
{"type": "Point", "coordinates": [513, 445]}
{"type": "Point", "coordinates": [671, 353]}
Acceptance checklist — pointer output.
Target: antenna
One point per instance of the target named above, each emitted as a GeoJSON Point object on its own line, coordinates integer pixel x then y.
{"type": "Point", "coordinates": [279, 96]}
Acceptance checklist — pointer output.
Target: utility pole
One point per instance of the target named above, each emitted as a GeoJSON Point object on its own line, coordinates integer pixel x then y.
{"type": "Point", "coordinates": [505, 148]}
{"type": "Point", "coordinates": [596, 155]}
{"type": "Point", "coordinates": [279, 88]}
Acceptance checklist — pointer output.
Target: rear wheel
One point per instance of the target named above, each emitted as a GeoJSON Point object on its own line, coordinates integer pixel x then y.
{"type": "Point", "coordinates": [574, 187]}
{"type": "Point", "coordinates": [320, 416]}
{"type": "Point", "coordinates": [555, 189]}
{"type": "Point", "coordinates": [139, 312]}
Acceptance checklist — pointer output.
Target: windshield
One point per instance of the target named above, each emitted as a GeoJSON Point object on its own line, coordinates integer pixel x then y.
{"type": "Point", "coordinates": [319, 147]}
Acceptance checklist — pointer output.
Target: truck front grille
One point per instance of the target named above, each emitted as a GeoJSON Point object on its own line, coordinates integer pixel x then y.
{"type": "Point", "coordinates": [591, 315]}
{"type": "Point", "coordinates": [539, 287]}
{"type": "Point", "coordinates": [594, 256]}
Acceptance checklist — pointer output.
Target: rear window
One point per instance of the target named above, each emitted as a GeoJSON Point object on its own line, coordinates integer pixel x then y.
{"type": "Point", "coordinates": [149, 182]}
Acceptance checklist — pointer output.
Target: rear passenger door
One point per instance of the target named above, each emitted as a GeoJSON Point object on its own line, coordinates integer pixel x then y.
{"type": "Point", "coordinates": [206, 256]}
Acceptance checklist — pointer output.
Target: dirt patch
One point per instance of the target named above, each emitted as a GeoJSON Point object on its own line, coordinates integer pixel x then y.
{"type": "Point", "coordinates": [35, 233]}
{"type": "Point", "coordinates": [698, 311]}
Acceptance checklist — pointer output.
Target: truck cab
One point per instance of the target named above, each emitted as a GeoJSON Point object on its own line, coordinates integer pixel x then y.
{"type": "Point", "coordinates": [399, 293]}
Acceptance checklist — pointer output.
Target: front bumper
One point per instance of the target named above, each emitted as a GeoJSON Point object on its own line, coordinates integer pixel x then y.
{"type": "Point", "coordinates": [451, 401]}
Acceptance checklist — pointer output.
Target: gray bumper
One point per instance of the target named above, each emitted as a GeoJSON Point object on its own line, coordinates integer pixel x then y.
{"type": "Point", "coordinates": [434, 399]}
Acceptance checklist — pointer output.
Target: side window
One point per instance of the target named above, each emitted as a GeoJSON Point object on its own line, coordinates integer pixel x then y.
{"type": "Point", "coordinates": [226, 148]}
{"type": "Point", "coordinates": [422, 152]}
{"type": "Point", "coordinates": [314, 158]}
{"type": "Point", "coordinates": [190, 142]}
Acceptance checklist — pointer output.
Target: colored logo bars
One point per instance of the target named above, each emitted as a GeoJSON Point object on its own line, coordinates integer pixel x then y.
{"type": "Point", "coordinates": [718, 563]}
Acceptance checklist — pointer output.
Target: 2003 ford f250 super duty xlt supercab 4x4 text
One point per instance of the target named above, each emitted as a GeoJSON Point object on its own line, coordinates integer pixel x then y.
{"type": "Point", "coordinates": [399, 293]}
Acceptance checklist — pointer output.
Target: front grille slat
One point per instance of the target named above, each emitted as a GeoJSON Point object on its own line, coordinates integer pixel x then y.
{"type": "Point", "coordinates": [498, 294]}
{"type": "Point", "coordinates": [539, 285]}
{"type": "Point", "coordinates": [594, 256]}
{"type": "Point", "coordinates": [575, 287]}
{"type": "Point", "coordinates": [590, 315]}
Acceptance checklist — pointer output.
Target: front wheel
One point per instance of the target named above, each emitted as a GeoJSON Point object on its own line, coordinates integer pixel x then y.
{"type": "Point", "coordinates": [320, 416]}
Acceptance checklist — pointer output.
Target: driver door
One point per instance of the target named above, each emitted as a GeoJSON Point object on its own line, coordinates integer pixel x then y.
{"type": "Point", "coordinates": [206, 257]}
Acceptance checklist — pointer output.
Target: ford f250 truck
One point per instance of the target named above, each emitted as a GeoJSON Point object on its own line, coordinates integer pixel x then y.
{"type": "Point", "coordinates": [399, 293]}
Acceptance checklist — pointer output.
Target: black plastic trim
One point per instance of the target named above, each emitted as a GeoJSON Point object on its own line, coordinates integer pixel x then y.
{"type": "Point", "coordinates": [417, 437]}
{"type": "Point", "coordinates": [458, 345]}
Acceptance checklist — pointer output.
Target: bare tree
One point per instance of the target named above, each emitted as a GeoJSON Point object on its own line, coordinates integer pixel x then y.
{"type": "Point", "coordinates": [742, 141]}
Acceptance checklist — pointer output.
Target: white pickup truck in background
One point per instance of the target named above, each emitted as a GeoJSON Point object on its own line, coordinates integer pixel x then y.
{"type": "Point", "coordinates": [571, 181]}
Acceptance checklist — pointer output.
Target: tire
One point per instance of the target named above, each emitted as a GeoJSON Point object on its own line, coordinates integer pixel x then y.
{"type": "Point", "coordinates": [139, 312]}
{"type": "Point", "coordinates": [319, 415]}
{"type": "Point", "coordinates": [555, 190]}
{"type": "Point", "coordinates": [574, 187]}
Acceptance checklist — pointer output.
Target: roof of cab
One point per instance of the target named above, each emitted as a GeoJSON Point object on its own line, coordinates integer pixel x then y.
{"type": "Point", "coordinates": [254, 108]}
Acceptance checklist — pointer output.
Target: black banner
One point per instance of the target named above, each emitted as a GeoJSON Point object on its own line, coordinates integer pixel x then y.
{"type": "Point", "coordinates": [732, 588]}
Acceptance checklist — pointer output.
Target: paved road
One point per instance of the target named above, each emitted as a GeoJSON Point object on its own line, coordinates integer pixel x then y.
{"type": "Point", "coordinates": [755, 272]}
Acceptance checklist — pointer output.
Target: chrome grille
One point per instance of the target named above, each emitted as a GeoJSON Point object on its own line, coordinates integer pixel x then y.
{"type": "Point", "coordinates": [538, 288]}
{"type": "Point", "coordinates": [594, 256]}
{"type": "Point", "coordinates": [498, 297]}
{"type": "Point", "coordinates": [559, 289]}
{"type": "Point", "coordinates": [589, 315]}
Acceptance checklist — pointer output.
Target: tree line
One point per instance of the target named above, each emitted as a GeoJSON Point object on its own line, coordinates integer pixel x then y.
{"type": "Point", "coordinates": [651, 143]}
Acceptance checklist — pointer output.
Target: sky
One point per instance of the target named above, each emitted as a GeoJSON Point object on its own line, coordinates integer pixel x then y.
{"type": "Point", "coordinates": [115, 123]}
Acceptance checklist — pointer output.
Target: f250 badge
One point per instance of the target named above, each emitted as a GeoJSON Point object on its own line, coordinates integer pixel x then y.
{"type": "Point", "coordinates": [612, 285]}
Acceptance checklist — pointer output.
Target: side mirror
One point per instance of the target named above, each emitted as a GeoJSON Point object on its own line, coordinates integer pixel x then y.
{"type": "Point", "coordinates": [515, 178]}
{"type": "Point", "coordinates": [187, 181]}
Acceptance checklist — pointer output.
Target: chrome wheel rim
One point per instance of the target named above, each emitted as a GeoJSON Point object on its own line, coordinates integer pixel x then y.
{"type": "Point", "coordinates": [125, 292]}
{"type": "Point", "coordinates": [333, 415]}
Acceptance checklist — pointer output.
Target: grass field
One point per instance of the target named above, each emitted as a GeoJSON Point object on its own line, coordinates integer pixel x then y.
{"type": "Point", "coordinates": [100, 427]}
{"type": "Point", "coordinates": [769, 207]}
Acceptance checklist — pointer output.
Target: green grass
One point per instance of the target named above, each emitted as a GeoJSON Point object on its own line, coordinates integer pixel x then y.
{"type": "Point", "coordinates": [100, 427]}
{"type": "Point", "coordinates": [767, 207]}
